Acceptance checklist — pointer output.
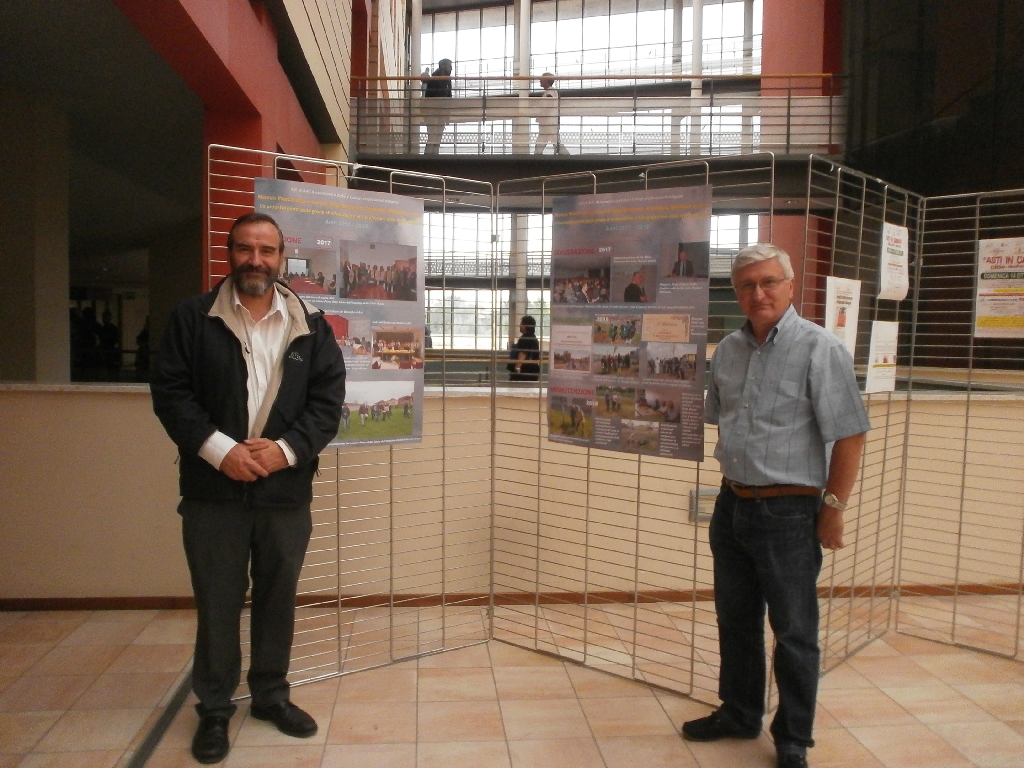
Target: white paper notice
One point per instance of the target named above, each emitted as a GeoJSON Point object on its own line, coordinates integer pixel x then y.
{"type": "Point", "coordinates": [999, 304]}
{"type": "Point", "coordinates": [893, 267]}
{"type": "Point", "coordinates": [842, 304]}
{"type": "Point", "coordinates": [881, 375]}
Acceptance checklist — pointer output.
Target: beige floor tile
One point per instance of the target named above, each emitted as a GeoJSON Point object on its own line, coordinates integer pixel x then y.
{"type": "Point", "coordinates": [505, 655]}
{"type": "Point", "coordinates": [590, 683]}
{"type": "Point", "coordinates": [6, 681]}
{"type": "Point", "coordinates": [530, 720]}
{"type": "Point", "coordinates": [44, 693]}
{"type": "Point", "coordinates": [892, 671]}
{"type": "Point", "coordinates": [171, 758]}
{"type": "Point", "coordinates": [131, 691]}
{"type": "Point", "coordinates": [478, 754]}
{"type": "Point", "coordinates": [297, 756]}
{"type": "Point", "coordinates": [42, 627]}
{"type": "Point", "coordinates": [96, 632]}
{"type": "Point", "coordinates": [76, 660]}
{"type": "Point", "coordinates": [87, 729]}
{"type": "Point", "coordinates": [456, 684]}
{"type": "Point", "coordinates": [823, 719]}
{"type": "Point", "coordinates": [863, 707]}
{"type": "Point", "coordinates": [319, 692]}
{"type": "Point", "coordinates": [837, 748]}
{"type": "Point", "coordinates": [877, 648]}
{"type": "Point", "coordinates": [962, 668]}
{"type": "Point", "coordinates": [16, 659]}
{"type": "Point", "coordinates": [152, 658]}
{"type": "Point", "coordinates": [19, 731]}
{"type": "Point", "coordinates": [909, 746]}
{"type": "Point", "coordinates": [382, 685]}
{"type": "Point", "coordinates": [168, 631]}
{"type": "Point", "coordinates": [99, 759]}
{"type": "Point", "coordinates": [471, 656]}
{"type": "Point", "coordinates": [11, 761]}
{"type": "Point", "coordinates": [557, 753]}
{"type": "Point", "coordinates": [1017, 725]}
{"type": "Point", "coordinates": [917, 646]}
{"type": "Point", "coordinates": [610, 718]}
{"type": "Point", "coordinates": [734, 753]}
{"type": "Point", "coordinates": [1004, 700]}
{"type": "Point", "coordinates": [988, 745]}
{"type": "Point", "coordinates": [369, 756]}
{"type": "Point", "coordinates": [533, 683]}
{"type": "Point", "coordinates": [843, 677]}
{"type": "Point", "coordinates": [372, 723]}
{"type": "Point", "coordinates": [459, 721]}
{"type": "Point", "coordinates": [938, 703]}
{"type": "Point", "coordinates": [646, 752]}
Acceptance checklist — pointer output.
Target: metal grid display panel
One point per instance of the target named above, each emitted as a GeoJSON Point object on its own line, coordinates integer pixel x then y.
{"type": "Point", "coordinates": [962, 549]}
{"type": "Point", "coordinates": [398, 564]}
{"type": "Point", "coordinates": [596, 559]}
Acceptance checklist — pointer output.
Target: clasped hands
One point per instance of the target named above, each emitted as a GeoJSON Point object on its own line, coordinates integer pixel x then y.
{"type": "Point", "coordinates": [254, 458]}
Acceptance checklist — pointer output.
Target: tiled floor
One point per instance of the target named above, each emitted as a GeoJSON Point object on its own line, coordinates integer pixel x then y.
{"type": "Point", "coordinates": [80, 690]}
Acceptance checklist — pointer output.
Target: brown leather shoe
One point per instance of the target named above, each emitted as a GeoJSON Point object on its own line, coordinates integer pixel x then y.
{"type": "Point", "coordinates": [288, 718]}
{"type": "Point", "coordinates": [210, 744]}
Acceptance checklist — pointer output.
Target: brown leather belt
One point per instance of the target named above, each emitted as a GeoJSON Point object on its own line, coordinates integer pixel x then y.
{"type": "Point", "coordinates": [759, 492]}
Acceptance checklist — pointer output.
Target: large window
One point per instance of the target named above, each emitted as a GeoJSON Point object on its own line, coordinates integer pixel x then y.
{"type": "Point", "coordinates": [597, 37]}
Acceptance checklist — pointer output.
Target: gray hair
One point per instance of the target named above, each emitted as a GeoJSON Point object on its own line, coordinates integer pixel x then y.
{"type": "Point", "coordinates": [761, 252]}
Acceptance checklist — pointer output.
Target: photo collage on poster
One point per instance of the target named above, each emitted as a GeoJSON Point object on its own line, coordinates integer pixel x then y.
{"type": "Point", "coordinates": [629, 303]}
{"type": "Point", "coordinates": [355, 256]}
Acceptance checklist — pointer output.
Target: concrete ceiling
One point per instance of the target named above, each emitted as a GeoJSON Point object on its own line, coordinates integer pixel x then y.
{"type": "Point", "coordinates": [136, 130]}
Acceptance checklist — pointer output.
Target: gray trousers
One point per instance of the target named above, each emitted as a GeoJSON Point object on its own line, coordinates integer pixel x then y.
{"type": "Point", "coordinates": [225, 542]}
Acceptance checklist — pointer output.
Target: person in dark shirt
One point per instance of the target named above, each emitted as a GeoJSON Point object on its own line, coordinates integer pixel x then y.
{"type": "Point", "coordinates": [439, 85]}
{"type": "Point", "coordinates": [683, 266]}
{"type": "Point", "coordinates": [635, 292]}
{"type": "Point", "coordinates": [525, 353]}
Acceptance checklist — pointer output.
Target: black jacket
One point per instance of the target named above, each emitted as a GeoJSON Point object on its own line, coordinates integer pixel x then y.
{"type": "Point", "coordinates": [200, 386]}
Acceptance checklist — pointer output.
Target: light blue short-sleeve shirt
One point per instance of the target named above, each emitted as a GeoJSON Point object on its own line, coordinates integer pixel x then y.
{"type": "Point", "coordinates": [779, 406]}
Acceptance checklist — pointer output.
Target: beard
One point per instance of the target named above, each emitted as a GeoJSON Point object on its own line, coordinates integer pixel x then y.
{"type": "Point", "coordinates": [252, 281]}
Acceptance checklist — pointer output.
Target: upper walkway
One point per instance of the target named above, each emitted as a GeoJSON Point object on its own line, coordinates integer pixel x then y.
{"type": "Point", "coordinates": [614, 116]}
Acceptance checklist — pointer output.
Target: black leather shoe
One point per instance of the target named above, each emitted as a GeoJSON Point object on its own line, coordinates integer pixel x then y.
{"type": "Point", "coordinates": [791, 760]}
{"type": "Point", "coordinates": [210, 744]}
{"type": "Point", "coordinates": [714, 727]}
{"type": "Point", "coordinates": [288, 718]}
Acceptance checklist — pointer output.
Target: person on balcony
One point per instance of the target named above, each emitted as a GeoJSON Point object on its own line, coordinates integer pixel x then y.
{"type": "Point", "coordinates": [438, 86]}
{"type": "Point", "coordinates": [525, 353]}
{"type": "Point", "coordinates": [547, 120]}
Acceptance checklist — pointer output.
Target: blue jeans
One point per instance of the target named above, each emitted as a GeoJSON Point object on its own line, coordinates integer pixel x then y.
{"type": "Point", "coordinates": [767, 553]}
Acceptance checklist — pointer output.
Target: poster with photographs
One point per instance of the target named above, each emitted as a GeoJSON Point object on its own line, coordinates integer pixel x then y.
{"type": "Point", "coordinates": [629, 308]}
{"type": "Point", "coordinates": [355, 256]}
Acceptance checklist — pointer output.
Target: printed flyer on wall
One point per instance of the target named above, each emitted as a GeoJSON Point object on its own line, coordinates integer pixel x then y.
{"type": "Point", "coordinates": [881, 372]}
{"type": "Point", "coordinates": [629, 308]}
{"type": "Point", "coordinates": [999, 303]}
{"type": "Point", "coordinates": [355, 256]}
{"type": "Point", "coordinates": [842, 307]}
{"type": "Point", "coordinates": [894, 264]}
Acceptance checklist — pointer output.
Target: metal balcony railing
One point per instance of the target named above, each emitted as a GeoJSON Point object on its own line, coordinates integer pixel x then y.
{"type": "Point", "coordinates": [634, 115]}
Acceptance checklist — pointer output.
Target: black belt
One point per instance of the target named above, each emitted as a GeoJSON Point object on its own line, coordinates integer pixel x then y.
{"type": "Point", "coordinates": [759, 492]}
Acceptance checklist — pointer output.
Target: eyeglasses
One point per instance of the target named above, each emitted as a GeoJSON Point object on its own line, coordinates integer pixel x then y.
{"type": "Point", "coordinates": [768, 285]}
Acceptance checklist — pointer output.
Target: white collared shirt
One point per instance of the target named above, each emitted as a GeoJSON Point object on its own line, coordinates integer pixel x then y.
{"type": "Point", "coordinates": [263, 350]}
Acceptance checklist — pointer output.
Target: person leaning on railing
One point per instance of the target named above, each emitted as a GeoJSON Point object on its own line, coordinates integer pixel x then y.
{"type": "Point", "coordinates": [439, 85]}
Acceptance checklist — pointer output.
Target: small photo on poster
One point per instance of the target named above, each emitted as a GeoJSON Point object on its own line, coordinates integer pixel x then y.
{"type": "Point", "coordinates": [617, 360]}
{"type": "Point", "coordinates": [617, 329]}
{"type": "Point", "coordinates": [377, 410]}
{"type": "Point", "coordinates": [354, 337]}
{"type": "Point", "coordinates": [660, 405]}
{"type": "Point", "coordinates": [670, 328]}
{"type": "Point", "coordinates": [615, 402]}
{"type": "Point", "coordinates": [570, 345]}
{"type": "Point", "coordinates": [674, 362]}
{"type": "Point", "coordinates": [378, 271]}
{"type": "Point", "coordinates": [638, 436]}
{"type": "Point", "coordinates": [311, 271]}
{"type": "Point", "coordinates": [570, 415]}
{"type": "Point", "coordinates": [397, 348]}
{"type": "Point", "coordinates": [634, 282]}
{"type": "Point", "coordinates": [684, 260]}
{"type": "Point", "coordinates": [582, 277]}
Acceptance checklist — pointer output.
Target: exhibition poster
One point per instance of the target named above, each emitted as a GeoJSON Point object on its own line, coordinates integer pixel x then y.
{"type": "Point", "coordinates": [881, 372]}
{"type": "Point", "coordinates": [842, 306]}
{"type": "Point", "coordinates": [356, 257]}
{"type": "Point", "coordinates": [999, 303]}
{"type": "Point", "coordinates": [894, 264]}
{"type": "Point", "coordinates": [629, 307]}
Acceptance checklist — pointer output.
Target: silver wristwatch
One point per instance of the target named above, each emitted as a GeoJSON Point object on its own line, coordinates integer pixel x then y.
{"type": "Point", "coordinates": [830, 500]}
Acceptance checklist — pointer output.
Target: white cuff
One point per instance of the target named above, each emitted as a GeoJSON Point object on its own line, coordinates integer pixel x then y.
{"type": "Point", "coordinates": [216, 448]}
{"type": "Point", "coordinates": [288, 453]}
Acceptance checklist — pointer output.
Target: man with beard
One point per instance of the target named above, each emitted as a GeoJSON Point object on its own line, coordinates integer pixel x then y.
{"type": "Point", "coordinates": [249, 385]}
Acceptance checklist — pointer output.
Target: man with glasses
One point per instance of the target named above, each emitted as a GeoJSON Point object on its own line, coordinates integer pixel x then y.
{"type": "Point", "coordinates": [791, 427]}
